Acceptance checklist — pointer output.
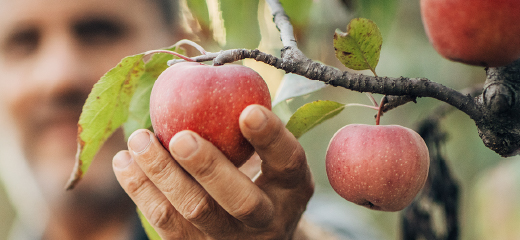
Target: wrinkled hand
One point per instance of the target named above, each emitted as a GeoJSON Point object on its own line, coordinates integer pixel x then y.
{"type": "Point", "coordinates": [202, 195]}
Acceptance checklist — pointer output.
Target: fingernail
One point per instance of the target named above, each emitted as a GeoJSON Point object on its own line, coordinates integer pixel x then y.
{"type": "Point", "coordinates": [183, 145]}
{"type": "Point", "coordinates": [122, 159]}
{"type": "Point", "coordinates": [255, 119]}
{"type": "Point", "coordinates": [139, 141]}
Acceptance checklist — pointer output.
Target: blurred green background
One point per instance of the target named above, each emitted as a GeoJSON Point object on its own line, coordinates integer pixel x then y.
{"type": "Point", "coordinates": [6, 213]}
{"type": "Point", "coordinates": [405, 52]}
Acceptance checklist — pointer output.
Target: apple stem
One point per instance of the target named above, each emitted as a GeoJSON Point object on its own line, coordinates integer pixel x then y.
{"type": "Point", "coordinates": [169, 52]}
{"type": "Point", "coordinates": [369, 95]}
{"type": "Point", "coordinates": [380, 109]}
{"type": "Point", "coordinates": [193, 44]}
{"type": "Point", "coordinates": [361, 105]}
{"type": "Point", "coordinates": [372, 99]}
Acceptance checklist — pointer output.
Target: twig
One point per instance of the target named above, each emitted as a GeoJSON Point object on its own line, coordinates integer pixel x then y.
{"type": "Point", "coordinates": [169, 52]}
{"type": "Point", "coordinates": [193, 44]}
{"type": "Point", "coordinates": [281, 20]}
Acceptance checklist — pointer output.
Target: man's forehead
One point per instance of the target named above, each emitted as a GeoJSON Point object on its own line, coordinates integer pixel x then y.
{"type": "Point", "coordinates": [20, 10]}
{"type": "Point", "coordinates": [20, 13]}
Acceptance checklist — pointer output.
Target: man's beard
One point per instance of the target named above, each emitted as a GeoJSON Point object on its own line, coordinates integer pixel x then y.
{"type": "Point", "coordinates": [98, 190]}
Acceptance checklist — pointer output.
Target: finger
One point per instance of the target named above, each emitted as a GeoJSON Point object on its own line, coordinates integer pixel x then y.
{"type": "Point", "coordinates": [285, 175]}
{"type": "Point", "coordinates": [232, 189]}
{"type": "Point", "coordinates": [148, 198]}
{"type": "Point", "coordinates": [283, 157]}
{"type": "Point", "coordinates": [181, 190]}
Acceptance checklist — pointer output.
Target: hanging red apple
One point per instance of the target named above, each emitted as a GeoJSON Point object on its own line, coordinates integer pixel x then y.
{"type": "Point", "coordinates": [379, 167]}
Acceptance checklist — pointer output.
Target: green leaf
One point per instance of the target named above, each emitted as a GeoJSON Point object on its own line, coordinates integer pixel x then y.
{"type": "Point", "coordinates": [241, 23]}
{"type": "Point", "coordinates": [105, 110]}
{"type": "Point", "coordinates": [297, 10]}
{"type": "Point", "coordinates": [382, 12]}
{"type": "Point", "coordinates": [311, 115]}
{"type": "Point", "coordinates": [199, 9]}
{"type": "Point", "coordinates": [139, 114]}
{"type": "Point", "coordinates": [294, 86]}
{"type": "Point", "coordinates": [359, 48]}
{"type": "Point", "coordinates": [121, 96]}
{"type": "Point", "coordinates": [139, 109]}
{"type": "Point", "coordinates": [150, 231]}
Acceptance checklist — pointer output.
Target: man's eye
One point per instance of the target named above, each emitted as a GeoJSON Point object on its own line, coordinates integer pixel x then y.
{"type": "Point", "coordinates": [98, 31]}
{"type": "Point", "coordinates": [22, 43]}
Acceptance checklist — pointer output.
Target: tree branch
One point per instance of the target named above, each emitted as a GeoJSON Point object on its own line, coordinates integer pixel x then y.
{"type": "Point", "coordinates": [281, 20]}
{"type": "Point", "coordinates": [499, 127]}
{"type": "Point", "coordinates": [294, 61]}
{"type": "Point", "coordinates": [496, 111]}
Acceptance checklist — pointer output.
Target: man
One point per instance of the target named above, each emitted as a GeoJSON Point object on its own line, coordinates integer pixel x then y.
{"type": "Point", "coordinates": [52, 52]}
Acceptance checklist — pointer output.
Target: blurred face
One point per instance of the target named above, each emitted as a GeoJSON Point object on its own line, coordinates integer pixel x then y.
{"type": "Point", "coordinates": [51, 53]}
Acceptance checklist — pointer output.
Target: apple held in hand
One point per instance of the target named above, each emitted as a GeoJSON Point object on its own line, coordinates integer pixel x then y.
{"type": "Point", "coordinates": [379, 167]}
{"type": "Point", "coordinates": [476, 32]}
{"type": "Point", "coordinates": [207, 100]}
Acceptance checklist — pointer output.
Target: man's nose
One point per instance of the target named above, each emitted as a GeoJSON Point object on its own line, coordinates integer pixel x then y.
{"type": "Point", "coordinates": [58, 67]}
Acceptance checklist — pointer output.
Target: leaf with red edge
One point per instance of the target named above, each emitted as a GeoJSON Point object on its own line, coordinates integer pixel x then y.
{"type": "Point", "coordinates": [104, 111]}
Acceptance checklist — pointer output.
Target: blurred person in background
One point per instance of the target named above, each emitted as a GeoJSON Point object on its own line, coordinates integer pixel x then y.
{"type": "Point", "coordinates": [51, 54]}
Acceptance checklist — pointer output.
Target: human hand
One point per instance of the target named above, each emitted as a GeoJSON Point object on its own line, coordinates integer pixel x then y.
{"type": "Point", "coordinates": [202, 195]}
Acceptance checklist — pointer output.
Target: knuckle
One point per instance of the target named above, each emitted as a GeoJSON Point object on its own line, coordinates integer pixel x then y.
{"type": "Point", "coordinates": [296, 162]}
{"type": "Point", "coordinates": [294, 172]}
{"type": "Point", "coordinates": [253, 210]}
{"type": "Point", "coordinates": [206, 169]}
{"type": "Point", "coordinates": [158, 167]}
{"type": "Point", "coordinates": [162, 216]}
{"type": "Point", "coordinates": [309, 191]}
{"type": "Point", "coordinates": [156, 163]}
{"type": "Point", "coordinates": [246, 207]}
{"type": "Point", "coordinates": [271, 138]}
{"type": "Point", "coordinates": [135, 185]}
{"type": "Point", "coordinates": [197, 209]}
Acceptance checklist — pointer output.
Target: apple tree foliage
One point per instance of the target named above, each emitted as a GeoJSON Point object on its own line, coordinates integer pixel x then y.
{"type": "Point", "coordinates": [121, 96]}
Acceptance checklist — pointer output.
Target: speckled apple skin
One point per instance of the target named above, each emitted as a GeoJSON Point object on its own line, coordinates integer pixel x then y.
{"type": "Point", "coordinates": [379, 167]}
{"type": "Point", "coordinates": [476, 32]}
{"type": "Point", "coordinates": [207, 100]}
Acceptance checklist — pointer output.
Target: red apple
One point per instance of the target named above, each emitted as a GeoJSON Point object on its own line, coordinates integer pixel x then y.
{"type": "Point", "coordinates": [379, 167]}
{"type": "Point", "coordinates": [207, 100]}
{"type": "Point", "coordinates": [476, 32]}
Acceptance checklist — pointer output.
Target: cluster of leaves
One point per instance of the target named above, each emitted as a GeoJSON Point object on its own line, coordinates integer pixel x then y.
{"type": "Point", "coordinates": [121, 96]}
{"type": "Point", "coordinates": [359, 49]}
